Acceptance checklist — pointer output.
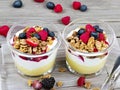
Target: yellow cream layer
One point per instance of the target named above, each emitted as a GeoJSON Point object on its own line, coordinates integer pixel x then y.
{"type": "Point", "coordinates": [37, 71]}
{"type": "Point", "coordinates": [82, 69]}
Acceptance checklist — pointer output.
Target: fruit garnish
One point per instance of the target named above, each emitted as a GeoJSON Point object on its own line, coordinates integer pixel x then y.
{"type": "Point", "coordinates": [95, 35]}
{"type": "Point", "coordinates": [51, 34]}
{"type": "Point", "coordinates": [65, 20]}
{"type": "Point", "coordinates": [99, 30]}
{"type": "Point", "coordinates": [58, 8]}
{"type": "Point", "coordinates": [30, 32]}
{"type": "Point", "coordinates": [48, 83]}
{"type": "Point", "coordinates": [32, 41]}
{"type": "Point", "coordinates": [4, 30]}
{"type": "Point", "coordinates": [89, 28]}
{"type": "Point", "coordinates": [81, 81]}
{"type": "Point", "coordinates": [85, 37]}
{"type": "Point", "coordinates": [43, 34]}
{"type": "Point", "coordinates": [22, 35]}
{"type": "Point", "coordinates": [101, 37]}
{"type": "Point", "coordinates": [50, 5]}
{"type": "Point", "coordinates": [17, 4]}
{"type": "Point", "coordinates": [83, 8]}
{"type": "Point", "coordinates": [81, 31]}
{"type": "Point", "coordinates": [76, 5]}
{"type": "Point", "coordinates": [36, 85]}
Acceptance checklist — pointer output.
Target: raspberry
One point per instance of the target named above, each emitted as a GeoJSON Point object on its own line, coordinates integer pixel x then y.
{"type": "Point", "coordinates": [30, 32]}
{"type": "Point", "coordinates": [39, 1]}
{"type": "Point", "coordinates": [36, 85]}
{"type": "Point", "coordinates": [95, 50]}
{"type": "Point", "coordinates": [76, 5]}
{"type": "Point", "coordinates": [89, 28]}
{"type": "Point", "coordinates": [101, 37]}
{"type": "Point", "coordinates": [4, 30]}
{"type": "Point", "coordinates": [43, 34]}
{"type": "Point", "coordinates": [65, 20]}
{"type": "Point", "coordinates": [58, 8]}
{"type": "Point", "coordinates": [81, 81]}
{"type": "Point", "coordinates": [84, 37]}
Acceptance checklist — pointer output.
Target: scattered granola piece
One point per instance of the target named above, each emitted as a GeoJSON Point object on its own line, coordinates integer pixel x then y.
{"type": "Point", "coordinates": [52, 89]}
{"type": "Point", "coordinates": [96, 88]}
{"type": "Point", "coordinates": [29, 82]}
{"type": "Point", "coordinates": [87, 85]}
{"type": "Point", "coordinates": [59, 84]}
{"type": "Point", "coordinates": [62, 69]}
{"type": "Point", "coordinates": [46, 76]}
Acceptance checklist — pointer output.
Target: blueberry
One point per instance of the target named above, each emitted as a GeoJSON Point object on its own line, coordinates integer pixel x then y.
{"type": "Point", "coordinates": [96, 26]}
{"type": "Point", "coordinates": [46, 29]}
{"type": "Point", "coordinates": [22, 35]}
{"type": "Point", "coordinates": [99, 30]}
{"type": "Point", "coordinates": [94, 34]}
{"type": "Point", "coordinates": [36, 35]}
{"type": "Point", "coordinates": [81, 31]}
{"type": "Point", "coordinates": [51, 34]}
{"type": "Point", "coordinates": [17, 4]}
{"type": "Point", "coordinates": [83, 8]}
{"type": "Point", "coordinates": [50, 5]}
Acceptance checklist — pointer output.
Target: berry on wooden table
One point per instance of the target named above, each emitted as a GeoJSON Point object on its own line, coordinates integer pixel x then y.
{"type": "Point", "coordinates": [83, 8]}
{"type": "Point", "coordinates": [50, 5]}
{"type": "Point", "coordinates": [65, 20]}
{"type": "Point", "coordinates": [58, 8]}
{"type": "Point", "coordinates": [17, 4]}
{"type": "Point", "coordinates": [76, 5]}
{"type": "Point", "coordinates": [4, 30]}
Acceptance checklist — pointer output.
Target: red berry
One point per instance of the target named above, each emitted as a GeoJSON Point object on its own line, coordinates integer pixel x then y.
{"type": "Point", "coordinates": [30, 32]}
{"type": "Point", "coordinates": [81, 81]}
{"type": "Point", "coordinates": [4, 30]}
{"type": "Point", "coordinates": [65, 20]}
{"type": "Point", "coordinates": [85, 37]}
{"type": "Point", "coordinates": [58, 8]}
{"type": "Point", "coordinates": [76, 5]}
{"type": "Point", "coordinates": [89, 28]}
{"type": "Point", "coordinates": [101, 37]}
{"type": "Point", "coordinates": [95, 50]}
{"type": "Point", "coordinates": [31, 42]}
{"type": "Point", "coordinates": [36, 85]}
{"type": "Point", "coordinates": [43, 35]}
{"type": "Point", "coordinates": [39, 1]}
{"type": "Point", "coordinates": [24, 58]}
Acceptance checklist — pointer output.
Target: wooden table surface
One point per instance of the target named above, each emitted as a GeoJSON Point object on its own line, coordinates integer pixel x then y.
{"type": "Point", "coordinates": [106, 10]}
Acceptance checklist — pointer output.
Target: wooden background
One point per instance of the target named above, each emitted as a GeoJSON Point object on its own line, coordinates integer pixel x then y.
{"type": "Point", "coordinates": [106, 10]}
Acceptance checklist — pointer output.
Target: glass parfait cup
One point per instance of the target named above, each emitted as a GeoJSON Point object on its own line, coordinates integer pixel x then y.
{"type": "Point", "coordinates": [86, 63]}
{"type": "Point", "coordinates": [33, 65]}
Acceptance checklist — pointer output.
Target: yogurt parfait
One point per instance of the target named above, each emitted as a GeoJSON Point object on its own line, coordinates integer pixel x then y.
{"type": "Point", "coordinates": [34, 49]}
{"type": "Point", "coordinates": [87, 44]}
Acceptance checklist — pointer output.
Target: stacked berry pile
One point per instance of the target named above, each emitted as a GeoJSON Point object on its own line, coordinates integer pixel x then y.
{"type": "Point", "coordinates": [88, 39]}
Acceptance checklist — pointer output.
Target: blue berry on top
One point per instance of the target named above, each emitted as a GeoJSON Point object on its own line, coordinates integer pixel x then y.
{"type": "Point", "coordinates": [51, 34]}
{"type": "Point", "coordinates": [36, 35]}
{"type": "Point", "coordinates": [17, 4]}
{"type": "Point", "coordinates": [22, 35]}
{"type": "Point", "coordinates": [99, 30]}
{"type": "Point", "coordinates": [83, 8]}
{"type": "Point", "coordinates": [50, 5]}
{"type": "Point", "coordinates": [81, 31]}
{"type": "Point", "coordinates": [95, 34]}
{"type": "Point", "coordinates": [96, 26]}
{"type": "Point", "coordinates": [46, 29]}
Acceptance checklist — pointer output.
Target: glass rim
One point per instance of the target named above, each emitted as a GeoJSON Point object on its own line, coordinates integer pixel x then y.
{"type": "Point", "coordinates": [88, 53]}
{"type": "Point", "coordinates": [32, 55]}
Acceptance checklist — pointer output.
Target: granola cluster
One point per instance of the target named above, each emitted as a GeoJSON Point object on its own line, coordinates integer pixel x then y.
{"type": "Point", "coordinates": [88, 41]}
{"type": "Point", "coordinates": [34, 40]}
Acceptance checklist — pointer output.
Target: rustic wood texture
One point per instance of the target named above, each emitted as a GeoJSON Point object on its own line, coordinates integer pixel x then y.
{"type": "Point", "coordinates": [106, 10]}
